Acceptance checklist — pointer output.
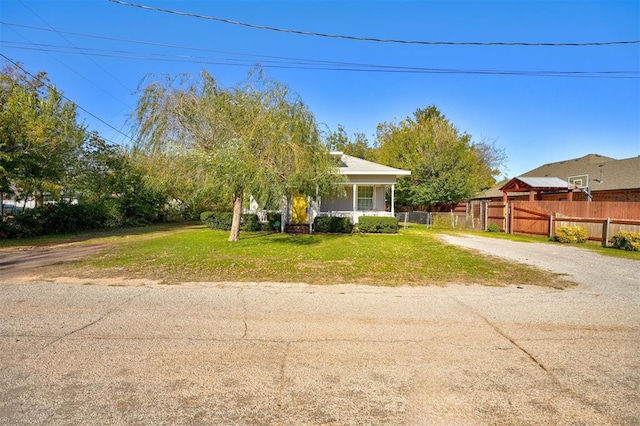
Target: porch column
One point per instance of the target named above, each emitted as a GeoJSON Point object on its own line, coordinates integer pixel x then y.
{"type": "Point", "coordinates": [532, 195]}
{"type": "Point", "coordinates": [393, 199]}
{"type": "Point", "coordinates": [355, 198]}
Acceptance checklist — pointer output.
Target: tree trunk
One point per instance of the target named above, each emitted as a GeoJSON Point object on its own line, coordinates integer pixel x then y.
{"type": "Point", "coordinates": [234, 235]}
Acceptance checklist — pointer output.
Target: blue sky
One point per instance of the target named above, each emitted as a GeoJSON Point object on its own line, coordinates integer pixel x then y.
{"type": "Point", "coordinates": [536, 119]}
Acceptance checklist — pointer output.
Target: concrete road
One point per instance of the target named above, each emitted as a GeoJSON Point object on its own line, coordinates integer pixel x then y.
{"type": "Point", "coordinates": [293, 354]}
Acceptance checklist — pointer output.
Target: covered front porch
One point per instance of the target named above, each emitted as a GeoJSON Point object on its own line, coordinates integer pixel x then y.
{"type": "Point", "coordinates": [362, 199]}
{"type": "Point", "coordinates": [369, 190]}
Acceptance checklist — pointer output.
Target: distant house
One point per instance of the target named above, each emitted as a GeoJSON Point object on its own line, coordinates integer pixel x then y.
{"type": "Point", "coordinates": [593, 176]}
{"type": "Point", "coordinates": [365, 186]}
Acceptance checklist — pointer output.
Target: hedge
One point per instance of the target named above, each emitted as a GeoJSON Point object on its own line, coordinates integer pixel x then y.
{"type": "Point", "coordinates": [222, 221]}
{"type": "Point", "coordinates": [328, 224]}
{"type": "Point", "coordinates": [378, 225]}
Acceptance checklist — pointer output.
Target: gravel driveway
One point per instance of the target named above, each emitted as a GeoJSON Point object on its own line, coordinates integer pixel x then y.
{"type": "Point", "coordinates": [276, 354]}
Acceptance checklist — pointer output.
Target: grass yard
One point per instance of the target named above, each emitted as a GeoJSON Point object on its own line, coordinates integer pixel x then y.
{"type": "Point", "coordinates": [413, 257]}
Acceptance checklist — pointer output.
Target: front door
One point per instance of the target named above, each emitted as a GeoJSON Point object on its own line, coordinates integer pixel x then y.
{"type": "Point", "coordinates": [299, 209]}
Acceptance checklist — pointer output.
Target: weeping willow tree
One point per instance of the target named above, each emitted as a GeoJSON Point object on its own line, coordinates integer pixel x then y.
{"type": "Point", "coordinates": [204, 142]}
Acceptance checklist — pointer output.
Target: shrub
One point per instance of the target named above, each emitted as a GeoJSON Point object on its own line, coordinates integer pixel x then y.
{"type": "Point", "coordinates": [571, 234]}
{"type": "Point", "coordinates": [250, 222]}
{"type": "Point", "coordinates": [341, 225]}
{"type": "Point", "coordinates": [441, 220]}
{"type": "Point", "coordinates": [378, 225]}
{"type": "Point", "coordinates": [274, 220]}
{"type": "Point", "coordinates": [205, 215]}
{"type": "Point", "coordinates": [493, 227]}
{"type": "Point", "coordinates": [220, 221]}
{"type": "Point", "coordinates": [629, 241]}
{"type": "Point", "coordinates": [59, 218]}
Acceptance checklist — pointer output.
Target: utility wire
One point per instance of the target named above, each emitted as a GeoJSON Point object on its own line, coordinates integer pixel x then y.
{"type": "Point", "coordinates": [321, 66]}
{"type": "Point", "coordinates": [172, 46]}
{"type": "Point", "coordinates": [68, 67]}
{"type": "Point", "coordinates": [71, 43]}
{"type": "Point", "coordinates": [372, 39]}
{"type": "Point", "coordinates": [53, 88]}
{"type": "Point", "coordinates": [267, 60]}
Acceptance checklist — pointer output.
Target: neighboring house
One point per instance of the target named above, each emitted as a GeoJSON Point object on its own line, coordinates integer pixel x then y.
{"type": "Point", "coordinates": [598, 177]}
{"type": "Point", "coordinates": [365, 186]}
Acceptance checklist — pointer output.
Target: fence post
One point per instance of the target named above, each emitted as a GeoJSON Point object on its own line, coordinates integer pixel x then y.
{"type": "Point", "coordinates": [550, 226]}
{"type": "Point", "coordinates": [486, 216]}
{"type": "Point", "coordinates": [605, 232]}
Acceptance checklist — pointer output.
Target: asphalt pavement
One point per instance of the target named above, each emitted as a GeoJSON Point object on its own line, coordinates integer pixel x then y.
{"type": "Point", "coordinates": [295, 354]}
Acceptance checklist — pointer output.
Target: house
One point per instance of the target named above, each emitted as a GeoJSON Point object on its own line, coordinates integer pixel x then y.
{"type": "Point", "coordinates": [592, 177]}
{"type": "Point", "coordinates": [365, 186]}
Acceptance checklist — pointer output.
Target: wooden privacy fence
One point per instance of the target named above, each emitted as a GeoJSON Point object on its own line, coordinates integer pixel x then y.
{"type": "Point", "coordinates": [602, 220]}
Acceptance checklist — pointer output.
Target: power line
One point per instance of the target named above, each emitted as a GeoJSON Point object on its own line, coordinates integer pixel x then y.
{"type": "Point", "coordinates": [318, 65]}
{"type": "Point", "coordinates": [69, 67]}
{"type": "Point", "coordinates": [172, 46]}
{"type": "Point", "coordinates": [323, 64]}
{"type": "Point", "coordinates": [372, 39]}
{"type": "Point", "coordinates": [52, 88]}
{"type": "Point", "coordinates": [69, 41]}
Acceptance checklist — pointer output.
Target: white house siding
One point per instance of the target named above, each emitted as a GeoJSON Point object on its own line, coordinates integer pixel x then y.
{"type": "Point", "coordinates": [346, 203]}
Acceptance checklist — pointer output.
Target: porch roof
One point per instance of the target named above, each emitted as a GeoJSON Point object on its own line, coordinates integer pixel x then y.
{"type": "Point", "coordinates": [352, 166]}
{"type": "Point", "coordinates": [526, 184]}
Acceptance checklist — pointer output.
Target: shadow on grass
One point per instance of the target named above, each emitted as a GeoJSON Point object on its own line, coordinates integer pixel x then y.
{"type": "Point", "coordinates": [53, 239]}
{"type": "Point", "coordinates": [298, 240]}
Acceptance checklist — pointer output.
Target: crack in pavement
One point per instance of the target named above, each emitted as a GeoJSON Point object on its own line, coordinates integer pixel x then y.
{"type": "Point", "coordinates": [282, 376]}
{"type": "Point", "coordinates": [549, 374]}
{"type": "Point", "coordinates": [243, 304]}
{"type": "Point", "coordinates": [100, 318]}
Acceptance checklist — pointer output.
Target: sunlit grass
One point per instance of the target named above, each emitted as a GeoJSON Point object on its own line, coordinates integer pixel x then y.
{"type": "Point", "coordinates": [413, 257]}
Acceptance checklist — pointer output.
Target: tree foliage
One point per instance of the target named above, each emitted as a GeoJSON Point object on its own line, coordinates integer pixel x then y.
{"type": "Point", "coordinates": [446, 166]}
{"type": "Point", "coordinates": [44, 151]}
{"type": "Point", "coordinates": [205, 143]}
{"type": "Point", "coordinates": [358, 146]}
{"type": "Point", "coordinates": [39, 134]}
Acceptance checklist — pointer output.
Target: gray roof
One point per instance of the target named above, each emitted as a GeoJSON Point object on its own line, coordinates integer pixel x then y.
{"type": "Point", "coordinates": [351, 166]}
{"type": "Point", "coordinates": [543, 182]}
{"type": "Point", "coordinates": [605, 173]}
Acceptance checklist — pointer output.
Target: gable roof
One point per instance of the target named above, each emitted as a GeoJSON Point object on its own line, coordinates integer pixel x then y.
{"type": "Point", "coordinates": [351, 166]}
{"type": "Point", "coordinates": [604, 173]}
{"type": "Point", "coordinates": [525, 184]}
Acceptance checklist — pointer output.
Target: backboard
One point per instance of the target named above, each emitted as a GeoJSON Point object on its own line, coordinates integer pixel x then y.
{"type": "Point", "coordinates": [579, 181]}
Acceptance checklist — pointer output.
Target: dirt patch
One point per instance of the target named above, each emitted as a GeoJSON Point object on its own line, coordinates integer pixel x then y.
{"type": "Point", "coordinates": [25, 263]}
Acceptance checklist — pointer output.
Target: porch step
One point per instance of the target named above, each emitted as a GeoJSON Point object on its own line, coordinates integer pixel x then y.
{"type": "Point", "coordinates": [297, 228]}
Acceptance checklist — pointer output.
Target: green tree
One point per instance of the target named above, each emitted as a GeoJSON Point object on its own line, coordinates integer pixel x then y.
{"type": "Point", "coordinates": [358, 146]}
{"type": "Point", "coordinates": [208, 142]}
{"type": "Point", "coordinates": [107, 175]}
{"type": "Point", "coordinates": [446, 167]}
{"type": "Point", "coordinates": [39, 134]}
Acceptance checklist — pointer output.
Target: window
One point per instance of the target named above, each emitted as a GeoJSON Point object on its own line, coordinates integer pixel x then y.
{"type": "Point", "coordinates": [365, 198]}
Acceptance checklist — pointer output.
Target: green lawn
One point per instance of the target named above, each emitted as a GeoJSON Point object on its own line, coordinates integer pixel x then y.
{"type": "Point", "coordinates": [413, 257]}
